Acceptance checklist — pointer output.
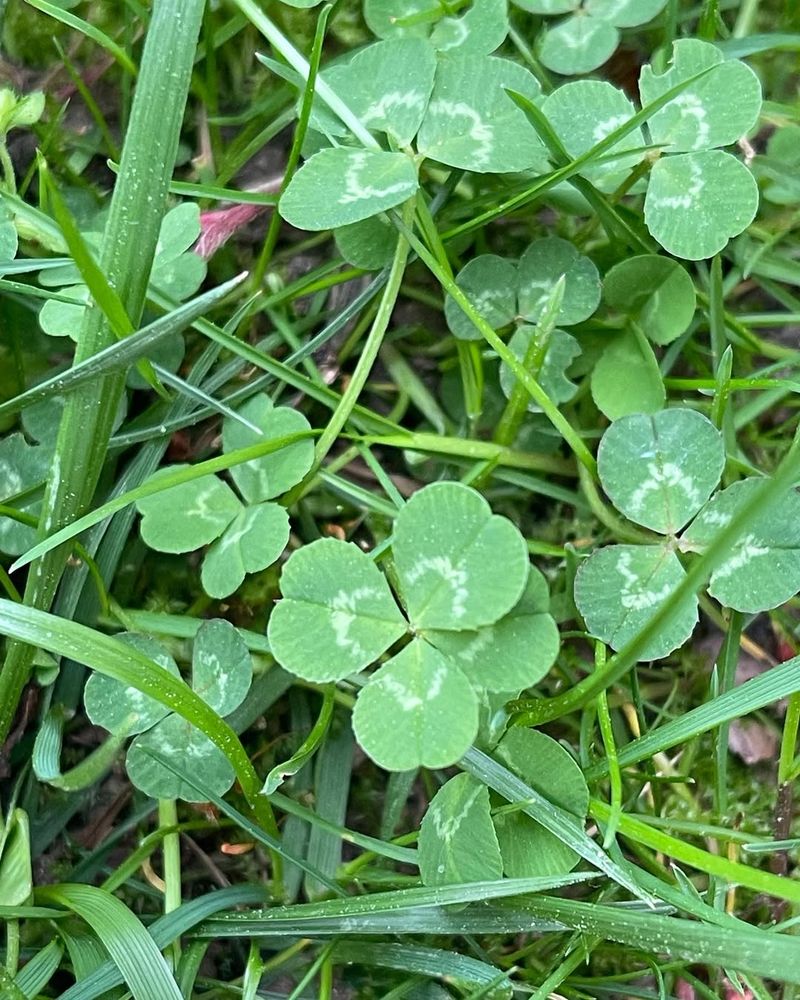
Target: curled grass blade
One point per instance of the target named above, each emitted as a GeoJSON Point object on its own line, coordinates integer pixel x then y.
{"type": "Point", "coordinates": [143, 967]}
{"type": "Point", "coordinates": [164, 931]}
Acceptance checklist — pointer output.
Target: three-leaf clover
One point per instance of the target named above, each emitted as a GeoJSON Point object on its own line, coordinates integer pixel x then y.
{"type": "Point", "coordinates": [659, 470]}
{"type": "Point", "coordinates": [248, 534]}
{"type": "Point", "coordinates": [698, 196]}
{"type": "Point", "coordinates": [453, 108]}
{"type": "Point", "coordinates": [221, 675]}
{"type": "Point", "coordinates": [476, 610]}
{"type": "Point", "coordinates": [468, 836]}
{"type": "Point", "coordinates": [177, 272]}
{"type": "Point", "coordinates": [589, 36]}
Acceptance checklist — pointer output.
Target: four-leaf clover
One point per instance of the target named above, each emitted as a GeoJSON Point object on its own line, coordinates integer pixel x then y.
{"type": "Point", "coordinates": [248, 534]}
{"type": "Point", "coordinates": [475, 608]}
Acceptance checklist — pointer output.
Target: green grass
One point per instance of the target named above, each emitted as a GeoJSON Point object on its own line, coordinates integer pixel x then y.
{"type": "Point", "coordinates": [293, 866]}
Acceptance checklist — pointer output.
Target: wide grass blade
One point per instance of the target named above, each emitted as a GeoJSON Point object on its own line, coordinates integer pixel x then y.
{"type": "Point", "coordinates": [143, 968]}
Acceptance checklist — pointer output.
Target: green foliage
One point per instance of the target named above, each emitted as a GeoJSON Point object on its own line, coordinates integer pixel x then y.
{"type": "Point", "coordinates": [660, 471]}
{"type": "Point", "coordinates": [177, 272]}
{"type": "Point", "coordinates": [588, 37]}
{"type": "Point", "coordinates": [248, 531]}
{"type": "Point", "coordinates": [341, 564]}
{"type": "Point", "coordinates": [463, 580]}
{"type": "Point", "coordinates": [464, 839]}
{"type": "Point", "coordinates": [221, 675]}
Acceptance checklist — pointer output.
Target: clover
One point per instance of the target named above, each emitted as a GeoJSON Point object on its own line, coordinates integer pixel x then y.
{"type": "Point", "coordinates": [478, 31]}
{"type": "Point", "coordinates": [698, 196]}
{"type": "Point", "coordinates": [22, 467]}
{"type": "Point", "coordinates": [246, 532]}
{"type": "Point", "coordinates": [454, 110]}
{"type": "Point", "coordinates": [221, 675]}
{"type": "Point", "coordinates": [656, 298]}
{"type": "Point", "coordinates": [475, 618]}
{"type": "Point", "coordinates": [505, 292]}
{"type": "Point", "coordinates": [177, 272]}
{"type": "Point", "coordinates": [465, 837]}
{"type": "Point", "coordinates": [660, 471]}
{"type": "Point", "coordinates": [589, 35]}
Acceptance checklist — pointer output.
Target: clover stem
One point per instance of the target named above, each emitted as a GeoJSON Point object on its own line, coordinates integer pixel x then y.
{"type": "Point", "coordinates": [171, 853]}
{"type": "Point", "coordinates": [361, 372]}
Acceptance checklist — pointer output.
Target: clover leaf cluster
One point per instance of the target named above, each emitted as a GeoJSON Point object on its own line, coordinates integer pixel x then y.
{"type": "Point", "coordinates": [472, 611]}
{"type": "Point", "coordinates": [427, 93]}
{"type": "Point", "coordinates": [660, 470]}
{"type": "Point", "coordinates": [177, 272]}
{"type": "Point", "coordinates": [589, 34]}
{"type": "Point", "coordinates": [221, 676]}
{"type": "Point", "coordinates": [698, 196]}
{"type": "Point", "coordinates": [464, 836]}
{"type": "Point", "coordinates": [246, 531]}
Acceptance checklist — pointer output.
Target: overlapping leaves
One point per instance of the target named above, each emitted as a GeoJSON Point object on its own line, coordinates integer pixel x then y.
{"type": "Point", "coordinates": [221, 675]}
{"type": "Point", "coordinates": [589, 35]}
{"type": "Point", "coordinates": [698, 196]}
{"type": "Point", "coordinates": [177, 272]}
{"type": "Point", "coordinates": [455, 108]}
{"type": "Point", "coordinates": [468, 835]}
{"type": "Point", "coordinates": [660, 471]}
{"type": "Point", "coordinates": [476, 611]}
{"type": "Point", "coordinates": [247, 530]}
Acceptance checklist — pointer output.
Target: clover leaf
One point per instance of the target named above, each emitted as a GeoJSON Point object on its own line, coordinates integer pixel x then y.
{"type": "Point", "coordinates": [589, 37]}
{"type": "Point", "coordinates": [336, 187]}
{"type": "Point", "coordinates": [457, 839]}
{"type": "Point", "coordinates": [620, 588]}
{"type": "Point", "coordinates": [422, 696]}
{"type": "Point", "coordinates": [337, 614]}
{"type": "Point", "coordinates": [660, 471]}
{"type": "Point", "coordinates": [221, 676]}
{"type": "Point", "coordinates": [763, 569]}
{"type": "Point", "coordinates": [655, 291]}
{"type": "Point", "coordinates": [582, 113]}
{"type": "Point", "coordinates": [626, 379]}
{"type": "Point", "coordinates": [121, 709]}
{"type": "Point", "coordinates": [478, 31]}
{"type": "Point", "coordinates": [472, 123]}
{"type": "Point", "coordinates": [514, 653]}
{"type": "Point", "coordinates": [477, 611]}
{"type": "Point", "coordinates": [698, 197]}
{"type": "Point", "coordinates": [456, 106]}
{"type": "Point", "coordinates": [22, 466]}
{"type": "Point", "coordinates": [462, 840]}
{"type": "Point", "coordinates": [501, 292]}
{"type": "Point", "coordinates": [177, 271]}
{"type": "Point", "coordinates": [657, 297]}
{"type": "Point", "coordinates": [248, 536]}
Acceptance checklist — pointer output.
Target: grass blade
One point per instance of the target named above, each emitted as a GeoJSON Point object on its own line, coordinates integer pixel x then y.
{"type": "Point", "coordinates": [128, 248]}
{"type": "Point", "coordinates": [134, 952]}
